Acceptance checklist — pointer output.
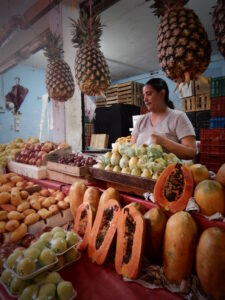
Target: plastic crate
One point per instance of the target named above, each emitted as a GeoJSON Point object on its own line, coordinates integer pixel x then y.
{"type": "Point", "coordinates": [212, 161]}
{"type": "Point", "coordinates": [202, 119]}
{"type": "Point", "coordinates": [212, 136]}
{"type": "Point", "coordinates": [211, 148]}
{"type": "Point", "coordinates": [217, 122]}
{"type": "Point", "coordinates": [203, 102]}
{"type": "Point", "coordinates": [218, 107]}
{"type": "Point", "coordinates": [192, 117]}
{"type": "Point", "coordinates": [217, 87]}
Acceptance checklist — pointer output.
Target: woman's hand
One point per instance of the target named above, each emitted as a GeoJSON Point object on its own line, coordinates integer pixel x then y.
{"type": "Point", "coordinates": [186, 150]}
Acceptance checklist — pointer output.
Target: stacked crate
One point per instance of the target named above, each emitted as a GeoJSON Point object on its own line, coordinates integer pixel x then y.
{"type": "Point", "coordinates": [88, 131]}
{"type": "Point", "coordinates": [197, 106]}
{"type": "Point", "coordinates": [212, 146]}
{"type": "Point", "coordinates": [123, 93]}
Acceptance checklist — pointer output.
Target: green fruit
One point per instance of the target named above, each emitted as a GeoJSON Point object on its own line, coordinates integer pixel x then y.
{"type": "Point", "coordinates": [17, 286]}
{"type": "Point", "coordinates": [40, 244]}
{"type": "Point", "coordinates": [53, 277]}
{"type": "Point", "coordinates": [32, 252]}
{"type": "Point", "coordinates": [57, 228]}
{"type": "Point", "coordinates": [40, 277]}
{"type": "Point", "coordinates": [47, 257]}
{"type": "Point", "coordinates": [58, 245]}
{"type": "Point", "coordinates": [12, 260]}
{"type": "Point", "coordinates": [71, 238]}
{"type": "Point", "coordinates": [71, 255]}
{"type": "Point", "coordinates": [48, 291]}
{"type": "Point", "coordinates": [60, 263]}
{"type": "Point", "coordinates": [65, 290]}
{"type": "Point", "coordinates": [46, 236]}
{"type": "Point", "coordinates": [6, 277]}
{"type": "Point", "coordinates": [59, 234]}
{"type": "Point", "coordinates": [29, 293]}
{"type": "Point", "coordinates": [25, 266]}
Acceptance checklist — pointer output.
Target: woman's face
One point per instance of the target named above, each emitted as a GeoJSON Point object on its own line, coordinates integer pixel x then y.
{"type": "Point", "coordinates": [153, 99]}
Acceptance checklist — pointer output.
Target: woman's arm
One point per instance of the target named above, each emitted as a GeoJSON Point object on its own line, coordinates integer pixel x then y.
{"type": "Point", "coordinates": [133, 140]}
{"type": "Point", "coordinates": [186, 150]}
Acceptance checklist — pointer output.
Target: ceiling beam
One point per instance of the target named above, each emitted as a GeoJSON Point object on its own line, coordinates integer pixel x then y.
{"type": "Point", "coordinates": [23, 53]}
{"type": "Point", "coordinates": [98, 6]}
{"type": "Point", "coordinates": [29, 17]}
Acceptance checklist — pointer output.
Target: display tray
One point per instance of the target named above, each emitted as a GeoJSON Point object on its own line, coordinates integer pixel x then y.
{"type": "Point", "coordinates": [28, 170]}
{"type": "Point", "coordinates": [124, 182]}
{"type": "Point", "coordinates": [67, 169]}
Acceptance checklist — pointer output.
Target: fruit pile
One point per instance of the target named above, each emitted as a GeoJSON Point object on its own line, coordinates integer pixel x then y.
{"type": "Point", "coordinates": [48, 285]}
{"type": "Point", "coordinates": [18, 209]}
{"type": "Point", "coordinates": [77, 160]}
{"type": "Point", "coordinates": [34, 154]}
{"type": "Point", "coordinates": [11, 149]}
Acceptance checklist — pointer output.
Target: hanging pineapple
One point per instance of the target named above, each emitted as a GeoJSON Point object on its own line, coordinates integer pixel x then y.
{"type": "Point", "coordinates": [183, 47]}
{"type": "Point", "coordinates": [91, 70]}
{"type": "Point", "coordinates": [219, 25]}
{"type": "Point", "coordinates": [59, 79]}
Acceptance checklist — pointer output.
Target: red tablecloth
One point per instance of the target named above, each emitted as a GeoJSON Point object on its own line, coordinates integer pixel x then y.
{"type": "Point", "coordinates": [93, 282]}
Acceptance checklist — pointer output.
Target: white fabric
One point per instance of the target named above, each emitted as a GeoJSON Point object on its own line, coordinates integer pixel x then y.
{"type": "Point", "coordinates": [44, 123]}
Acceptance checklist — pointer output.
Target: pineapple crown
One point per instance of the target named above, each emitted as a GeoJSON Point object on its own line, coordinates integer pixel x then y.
{"type": "Point", "coordinates": [53, 48]}
{"type": "Point", "coordinates": [83, 33]}
{"type": "Point", "coordinates": [161, 6]}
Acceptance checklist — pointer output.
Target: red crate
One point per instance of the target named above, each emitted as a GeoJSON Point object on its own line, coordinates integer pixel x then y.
{"type": "Point", "coordinates": [212, 136]}
{"type": "Point", "coordinates": [217, 149]}
{"type": "Point", "coordinates": [212, 161]}
{"type": "Point", "coordinates": [218, 107]}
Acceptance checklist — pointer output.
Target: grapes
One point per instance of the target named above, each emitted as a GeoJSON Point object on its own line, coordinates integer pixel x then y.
{"type": "Point", "coordinates": [77, 160]}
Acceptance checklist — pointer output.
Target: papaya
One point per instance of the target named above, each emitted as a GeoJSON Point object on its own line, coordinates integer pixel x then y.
{"type": "Point", "coordinates": [199, 172]}
{"type": "Point", "coordinates": [179, 247]}
{"type": "Point", "coordinates": [83, 223]}
{"type": "Point", "coordinates": [76, 195]}
{"type": "Point", "coordinates": [210, 197]}
{"type": "Point", "coordinates": [103, 231]}
{"type": "Point", "coordinates": [155, 220]}
{"type": "Point", "coordinates": [130, 241]}
{"type": "Point", "coordinates": [173, 188]}
{"type": "Point", "coordinates": [220, 175]}
{"type": "Point", "coordinates": [110, 193]}
{"type": "Point", "coordinates": [210, 262]}
{"type": "Point", "coordinates": [92, 196]}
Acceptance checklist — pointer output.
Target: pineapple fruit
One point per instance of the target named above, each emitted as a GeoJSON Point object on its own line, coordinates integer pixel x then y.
{"type": "Point", "coordinates": [183, 47]}
{"type": "Point", "coordinates": [91, 70]}
{"type": "Point", "coordinates": [59, 78]}
{"type": "Point", "coordinates": [219, 25]}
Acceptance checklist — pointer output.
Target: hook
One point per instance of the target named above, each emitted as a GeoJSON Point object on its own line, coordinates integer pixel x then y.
{"type": "Point", "coordinates": [18, 79]}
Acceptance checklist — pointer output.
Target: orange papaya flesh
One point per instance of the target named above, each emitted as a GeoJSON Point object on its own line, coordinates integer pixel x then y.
{"type": "Point", "coordinates": [174, 187]}
{"type": "Point", "coordinates": [130, 242]}
{"type": "Point", "coordinates": [83, 223]}
{"type": "Point", "coordinates": [103, 231]}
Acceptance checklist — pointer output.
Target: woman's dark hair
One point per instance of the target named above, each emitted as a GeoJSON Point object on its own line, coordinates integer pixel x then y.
{"type": "Point", "coordinates": [159, 84]}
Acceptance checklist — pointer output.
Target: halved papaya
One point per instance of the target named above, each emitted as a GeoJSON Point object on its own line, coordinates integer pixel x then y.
{"type": "Point", "coordinates": [103, 231]}
{"type": "Point", "coordinates": [130, 241]}
{"type": "Point", "coordinates": [83, 223]}
{"type": "Point", "coordinates": [174, 187]}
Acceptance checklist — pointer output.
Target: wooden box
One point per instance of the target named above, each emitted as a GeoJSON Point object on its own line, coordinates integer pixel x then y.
{"type": "Point", "coordinates": [203, 102]}
{"type": "Point", "coordinates": [189, 104]}
{"type": "Point", "coordinates": [99, 141]}
{"type": "Point", "coordinates": [67, 169]}
{"type": "Point", "coordinates": [51, 155]}
{"type": "Point", "coordinates": [65, 178]}
{"type": "Point", "coordinates": [124, 182]}
{"type": "Point", "coordinates": [202, 88]}
{"type": "Point", "coordinates": [28, 170]}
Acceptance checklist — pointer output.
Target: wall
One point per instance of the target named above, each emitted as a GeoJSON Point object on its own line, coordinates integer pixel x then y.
{"type": "Point", "coordinates": [73, 112]}
{"type": "Point", "coordinates": [34, 80]}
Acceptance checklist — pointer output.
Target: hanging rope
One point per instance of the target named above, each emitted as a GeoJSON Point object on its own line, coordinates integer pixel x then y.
{"type": "Point", "coordinates": [90, 16]}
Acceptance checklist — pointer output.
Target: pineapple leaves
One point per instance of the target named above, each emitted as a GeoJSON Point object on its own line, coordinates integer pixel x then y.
{"type": "Point", "coordinates": [53, 48]}
{"type": "Point", "coordinates": [81, 31]}
{"type": "Point", "coordinates": [161, 6]}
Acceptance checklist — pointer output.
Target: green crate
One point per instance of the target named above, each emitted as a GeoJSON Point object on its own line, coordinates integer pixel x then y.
{"type": "Point", "coordinates": [217, 87]}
